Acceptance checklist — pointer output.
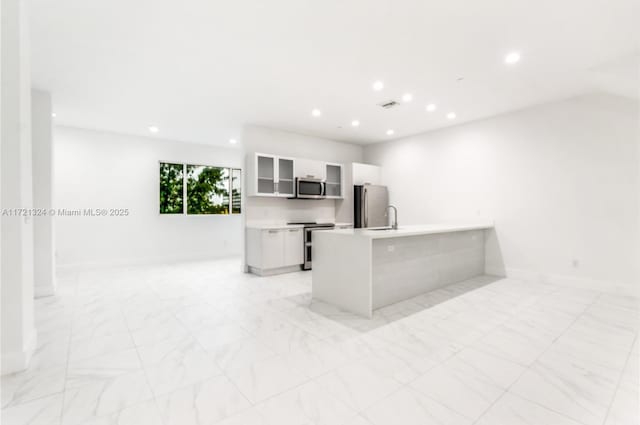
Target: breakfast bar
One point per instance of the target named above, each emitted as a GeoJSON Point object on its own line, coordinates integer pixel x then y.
{"type": "Point", "coordinates": [361, 270]}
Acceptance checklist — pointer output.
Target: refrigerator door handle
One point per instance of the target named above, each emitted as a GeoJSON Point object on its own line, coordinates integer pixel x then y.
{"type": "Point", "coordinates": [366, 207]}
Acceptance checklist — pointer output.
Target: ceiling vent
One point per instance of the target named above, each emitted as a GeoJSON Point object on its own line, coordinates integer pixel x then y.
{"type": "Point", "coordinates": [389, 104]}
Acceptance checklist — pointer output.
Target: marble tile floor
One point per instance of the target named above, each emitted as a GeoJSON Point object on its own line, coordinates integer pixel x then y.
{"type": "Point", "coordinates": [202, 343]}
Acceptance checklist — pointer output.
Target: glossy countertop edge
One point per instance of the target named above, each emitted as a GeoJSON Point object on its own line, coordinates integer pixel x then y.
{"type": "Point", "coordinates": [412, 230]}
{"type": "Point", "coordinates": [284, 226]}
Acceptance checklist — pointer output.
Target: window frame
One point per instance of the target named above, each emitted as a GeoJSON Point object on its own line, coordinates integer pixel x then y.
{"type": "Point", "coordinates": [184, 189]}
{"type": "Point", "coordinates": [231, 197]}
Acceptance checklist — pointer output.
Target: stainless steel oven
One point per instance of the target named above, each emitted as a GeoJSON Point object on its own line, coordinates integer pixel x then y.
{"type": "Point", "coordinates": [309, 188]}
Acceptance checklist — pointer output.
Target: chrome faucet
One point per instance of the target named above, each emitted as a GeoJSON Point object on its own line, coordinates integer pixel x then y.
{"type": "Point", "coordinates": [394, 226]}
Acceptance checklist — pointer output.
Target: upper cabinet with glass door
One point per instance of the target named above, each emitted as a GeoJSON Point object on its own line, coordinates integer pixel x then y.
{"type": "Point", "coordinates": [333, 181]}
{"type": "Point", "coordinates": [270, 175]}
{"type": "Point", "coordinates": [286, 177]}
{"type": "Point", "coordinates": [265, 166]}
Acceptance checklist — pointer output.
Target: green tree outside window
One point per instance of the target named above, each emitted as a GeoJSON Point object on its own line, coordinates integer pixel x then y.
{"type": "Point", "coordinates": [171, 188]}
{"type": "Point", "coordinates": [207, 190]}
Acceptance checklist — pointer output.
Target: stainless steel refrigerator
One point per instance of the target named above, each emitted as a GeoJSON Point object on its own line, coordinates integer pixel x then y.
{"type": "Point", "coordinates": [370, 204]}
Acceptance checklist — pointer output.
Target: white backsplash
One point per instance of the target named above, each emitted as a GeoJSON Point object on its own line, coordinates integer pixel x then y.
{"type": "Point", "coordinates": [278, 211]}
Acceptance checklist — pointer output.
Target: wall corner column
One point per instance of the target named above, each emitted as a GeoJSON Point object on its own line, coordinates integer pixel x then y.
{"type": "Point", "coordinates": [19, 338]}
{"type": "Point", "coordinates": [43, 224]}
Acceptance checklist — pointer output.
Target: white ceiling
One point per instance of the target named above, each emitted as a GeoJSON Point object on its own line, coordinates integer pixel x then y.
{"type": "Point", "coordinates": [201, 69]}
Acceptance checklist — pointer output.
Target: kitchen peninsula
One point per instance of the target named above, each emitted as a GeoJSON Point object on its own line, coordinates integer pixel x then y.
{"type": "Point", "coordinates": [361, 270]}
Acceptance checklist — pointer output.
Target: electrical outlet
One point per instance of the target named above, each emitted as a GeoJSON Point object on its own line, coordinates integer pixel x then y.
{"type": "Point", "coordinates": [391, 248]}
{"type": "Point", "coordinates": [575, 263]}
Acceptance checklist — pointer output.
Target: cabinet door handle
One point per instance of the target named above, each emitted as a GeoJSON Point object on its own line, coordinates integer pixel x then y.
{"type": "Point", "coordinates": [273, 231]}
{"type": "Point", "coordinates": [294, 230]}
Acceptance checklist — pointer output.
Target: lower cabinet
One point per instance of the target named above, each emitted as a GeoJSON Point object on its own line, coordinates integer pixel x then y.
{"type": "Point", "coordinates": [293, 247]}
{"type": "Point", "coordinates": [271, 251]}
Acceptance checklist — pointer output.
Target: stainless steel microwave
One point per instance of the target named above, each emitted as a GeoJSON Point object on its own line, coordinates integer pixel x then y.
{"type": "Point", "coordinates": [309, 188]}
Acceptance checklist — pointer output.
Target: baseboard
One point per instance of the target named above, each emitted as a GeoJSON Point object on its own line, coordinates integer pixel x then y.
{"type": "Point", "coordinates": [17, 361]}
{"type": "Point", "coordinates": [567, 281]}
{"type": "Point", "coordinates": [133, 262]}
{"type": "Point", "coordinates": [271, 272]}
{"type": "Point", "coordinates": [41, 291]}
{"type": "Point", "coordinates": [494, 271]}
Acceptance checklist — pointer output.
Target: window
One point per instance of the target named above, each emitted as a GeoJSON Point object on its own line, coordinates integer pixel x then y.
{"type": "Point", "coordinates": [236, 191]}
{"type": "Point", "coordinates": [171, 188]}
{"type": "Point", "coordinates": [206, 189]}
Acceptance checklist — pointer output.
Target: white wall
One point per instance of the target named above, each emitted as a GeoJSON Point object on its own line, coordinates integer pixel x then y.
{"type": "Point", "coordinates": [106, 170]}
{"type": "Point", "coordinates": [43, 230]}
{"type": "Point", "coordinates": [278, 142]}
{"type": "Point", "coordinates": [560, 180]}
{"type": "Point", "coordinates": [19, 337]}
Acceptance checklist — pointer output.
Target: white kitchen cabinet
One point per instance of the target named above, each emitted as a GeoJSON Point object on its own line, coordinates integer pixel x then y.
{"type": "Point", "coordinates": [271, 246]}
{"type": "Point", "coordinates": [366, 174]}
{"type": "Point", "coordinates": [265, 166]}
{"type": "Point", "coordinates": [274, 250]}
{"type": "Point", "coordinates": [293, 246]}
{"type": "Point", "coordinates": [275, 176]}
{"type": "Point", "coordinates": [270, 175]}
{"type": "Point", "coordinates": [310, 168]}
{"type": "Point", "coordinates": [333, 181]}
{"type": "Point", "coordinates": [286, 177]}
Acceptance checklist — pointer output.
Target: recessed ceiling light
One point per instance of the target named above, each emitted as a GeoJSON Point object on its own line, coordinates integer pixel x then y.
{"type": "Point", "coordinates": [511, 58]}
{"type": "Point", "coordinates": [451, 115]}
{"type": "Point", "coordinates": [407, 97]}
{"type": "Point", "coordinates": [378, 85]}
{"type": "Point", "coordinates": [390, 132]}
{"type": "Point", "coordinates": [233, 141]}
{"type": "Point", "coordinates": [431, 107]}
{"type": "Point", "coordinates": [316, 112]}
{"type": "Point", "coordinates": [53, 115]}
{"type": "Point", "coordinates": [355, 123]}
{"type": "Point", "coordinates": [153, 129]}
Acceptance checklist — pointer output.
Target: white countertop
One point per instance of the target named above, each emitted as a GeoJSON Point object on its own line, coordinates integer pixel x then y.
{"type": "Point", "coordinates": [412, 230]}
{"type": "Point", "coordinates": [274, 226]}
{"type": "Point", "coordinates": [277, 226]}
